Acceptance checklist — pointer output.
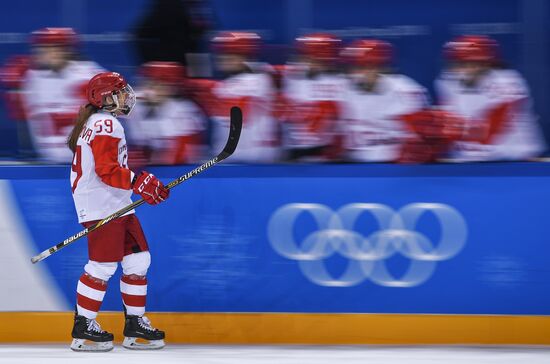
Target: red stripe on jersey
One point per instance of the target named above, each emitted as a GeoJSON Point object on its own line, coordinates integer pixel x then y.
{"type": "Point", "coordinates": [220, 105]}
{"type": "Point", "coordinates": [496, 119]}
{"type": "Point", "coordinates": [185, 149]}
{"type": "Point", "coordinates": [76, 166]}
{"type": "Point", "coordinates": [61, 121]}
{"type": "Point", "coordinates": [105, 151]}
{"type": "Point", "coordinates": [133, 300]}
{"type": "Point", "coordinates": [132, 280]}
{"type": "Point", "coordinates": [88, 303]}
{"type": "Point", "coordinates": [94, 283]}
{"type": "Point", "coordinates": [322, 115]}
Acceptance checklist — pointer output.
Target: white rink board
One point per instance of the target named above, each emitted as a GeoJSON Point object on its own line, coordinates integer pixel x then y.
{"type": "Point", "coordinates": [57, 354]}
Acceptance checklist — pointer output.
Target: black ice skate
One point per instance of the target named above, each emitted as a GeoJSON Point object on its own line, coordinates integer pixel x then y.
{"type": "Point", "coordinates": [139, 327]}
{"type": "Point", "coordinates": [88, 336]}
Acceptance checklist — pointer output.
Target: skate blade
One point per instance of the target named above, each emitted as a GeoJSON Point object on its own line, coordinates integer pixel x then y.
{"type": "Point", "coordinates": [90, 346]}
{"type": "Point", "coordinates": [132, 344]}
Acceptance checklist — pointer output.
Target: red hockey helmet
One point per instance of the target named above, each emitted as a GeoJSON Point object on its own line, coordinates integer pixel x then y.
{"type": "Point", "coordinates": [110, 84]}
{"type": "Point", "coordinates": [319, 46]}
{"type": "Point", "coordinates": [472, 48]}
{"type": "Point", "coordinates": [243, 43]}
{"type": "Point", "coordinates": [368, 52]}
{"type": "Point", "coordinates": [54, 36]}
{"type": "Point", "coordinates": [169, 72]}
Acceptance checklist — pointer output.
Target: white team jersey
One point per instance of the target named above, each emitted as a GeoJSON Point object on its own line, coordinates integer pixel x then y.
{"type": "Point", "coordinates": [93, 198]}
{"type": "Point", "coordinates": [519, 136]}
{"type": "Point", "coordinates": [254, 93]}
{"type": "Point", "coordinates": [52, 101]}
{"type": "Point", "coordinates": [371, 125]}
{"type": "Point", "coordinates": [313, 107]}
{"type": "Point", "coordinates": [447, 81]}
{"type": "Point", "coordinates": [158, 127]}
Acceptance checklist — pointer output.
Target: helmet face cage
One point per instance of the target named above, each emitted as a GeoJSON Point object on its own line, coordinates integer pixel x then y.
{"type": "Point", "coordinates": [128, 103]}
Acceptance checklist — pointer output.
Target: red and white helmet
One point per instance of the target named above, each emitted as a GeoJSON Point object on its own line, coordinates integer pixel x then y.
{"type": "Point", "coordinates": [472, 48]}
{"type": "Point", "coordinates": [368, 52]}
{"type": "Point", "coordinates": [242, 43]}
{"type": "Point", "coordinates": [54, 36]}
{"type": "Point", "coordinates": [110, 84]}
{"type": "Point", "coordinates": [168, 72]}
{"type": "Point", "coordinates": [319, 46]}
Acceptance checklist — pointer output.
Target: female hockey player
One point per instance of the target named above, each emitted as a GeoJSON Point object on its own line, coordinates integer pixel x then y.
{"type": "Point", "coordinates": [53, 88]}
{"type": "Point", "coordinates": [168, 126]}
{"type": "Point", "coordinates": [312, 90]}
{"type": "Point", "coordinates": [102, 184]}
{"type": "Point", "coordinates": [248, 84]}
{"type": "Point", "coordinates": [376, 103]}
{"type": "Point", "coordinates": [495, 103]}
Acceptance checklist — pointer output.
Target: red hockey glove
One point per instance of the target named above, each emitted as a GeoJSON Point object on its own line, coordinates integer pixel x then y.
{"type": "Point", "coordinates": [150, 188]}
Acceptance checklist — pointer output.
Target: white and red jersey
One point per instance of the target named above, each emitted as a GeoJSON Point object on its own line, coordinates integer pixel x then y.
{"type": "Point", "coordinates": [51, 104]}
{"type": "Point", "coordinates": [254, 94]}
{"type": "Point", "coordinates": [500, 123]}
{"type": "Point", "coordinates": [171, 130]}
{"type": "Point", "coordinates": [100, 179]}
{"type": "Point", "coordinates": [312, 107]}
{"type": "Point", "coordinates": [372, 121]}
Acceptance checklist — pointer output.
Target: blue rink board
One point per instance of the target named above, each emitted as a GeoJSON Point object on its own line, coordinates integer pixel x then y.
{"type": "Point", "coordinates": [211, 250]}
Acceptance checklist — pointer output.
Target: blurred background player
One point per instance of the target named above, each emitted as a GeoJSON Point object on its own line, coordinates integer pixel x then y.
{"type": "Point", "coordinates": [53, 88]}
{"type": "Point", "coordinates": [494, 101]}
{"type": "Point", "coordinates": [102, 184]}
{"type": "Point", "coordinates": [247, 84]}
{"type": "Point", "coordinates": [376, 103]}
{"type": "Point", "coordinates": [167, 125]}
{"type": "Point", "coordinates": [312, 90]}
{"type": "Point", "coordinates": [12, 77]}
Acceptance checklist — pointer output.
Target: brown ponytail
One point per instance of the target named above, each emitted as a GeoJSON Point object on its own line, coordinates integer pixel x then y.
{"type": "Point", "coordinates": [83, 114]}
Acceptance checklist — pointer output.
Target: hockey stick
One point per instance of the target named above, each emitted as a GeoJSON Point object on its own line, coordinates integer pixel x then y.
{"type": "Point", "coordinates": [232, 141]}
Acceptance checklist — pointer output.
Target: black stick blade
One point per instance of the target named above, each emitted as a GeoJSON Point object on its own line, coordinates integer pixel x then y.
{"type": "Point", "coordinates": [236, 124]}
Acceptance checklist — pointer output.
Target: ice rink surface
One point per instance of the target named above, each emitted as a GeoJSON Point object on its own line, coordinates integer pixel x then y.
{"type": "Point", "coordinates": [182, 354]}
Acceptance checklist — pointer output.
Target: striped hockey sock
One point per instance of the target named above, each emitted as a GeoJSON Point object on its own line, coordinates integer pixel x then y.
{"type": "Point", "coordinates": [89, 295]}
{"type": "Point", "coordinates": [134, 292]}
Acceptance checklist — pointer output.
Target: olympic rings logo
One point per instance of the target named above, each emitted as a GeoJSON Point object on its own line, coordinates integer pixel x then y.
{"type": "Point", "coordinates": [396, 234]}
